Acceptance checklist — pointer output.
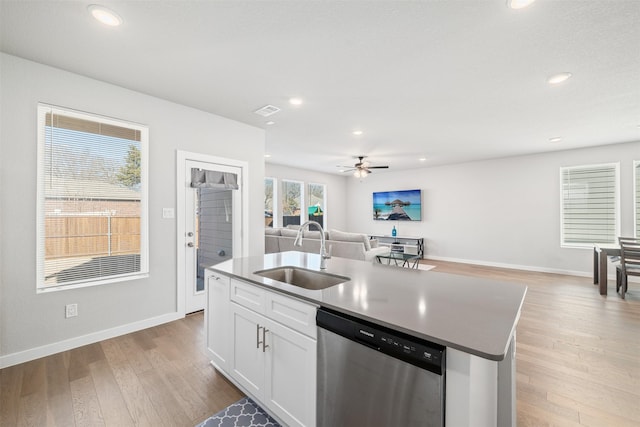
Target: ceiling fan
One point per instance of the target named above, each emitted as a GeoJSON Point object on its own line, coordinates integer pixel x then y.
{"type": "Point", "coordinates": [362, 168]}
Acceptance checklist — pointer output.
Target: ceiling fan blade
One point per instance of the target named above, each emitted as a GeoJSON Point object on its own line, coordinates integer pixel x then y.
{"type": "Point", "coordinates": [378, 167]}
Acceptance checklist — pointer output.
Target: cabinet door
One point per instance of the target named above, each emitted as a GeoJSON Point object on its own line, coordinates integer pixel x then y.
{"type": "Point", "coordinates": [290, 375]}
{"type": "Point", "coordinates": [217, 313]}
{"type": "Point", "coordinates": [247, 354]}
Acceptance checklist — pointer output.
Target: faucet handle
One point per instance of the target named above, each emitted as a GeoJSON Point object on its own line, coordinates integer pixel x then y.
{"type": "Point", "coordinates": [327, 255]}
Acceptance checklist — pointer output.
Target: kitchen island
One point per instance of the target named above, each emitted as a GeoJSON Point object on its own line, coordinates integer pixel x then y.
{"type": "Point", "coordinates": [474, 319]}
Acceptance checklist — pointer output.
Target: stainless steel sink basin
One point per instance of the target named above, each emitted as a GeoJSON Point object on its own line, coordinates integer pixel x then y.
{"type": "Point", "coordinates": [303, 278]}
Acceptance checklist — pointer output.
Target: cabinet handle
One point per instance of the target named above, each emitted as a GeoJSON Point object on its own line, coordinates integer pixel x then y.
{"type": "Point", "coordinates": [258, 342]}
{"type": "Point", "coordinates": [264, 339]}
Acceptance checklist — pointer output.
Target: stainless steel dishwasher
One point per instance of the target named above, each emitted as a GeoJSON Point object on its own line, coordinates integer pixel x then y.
{"type": "Point", "coordinates": [369, 375]}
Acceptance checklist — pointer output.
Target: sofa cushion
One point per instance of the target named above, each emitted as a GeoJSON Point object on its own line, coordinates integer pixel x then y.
{"type": "Point", "coordinates": [350, 237]}
{"type": "Point", "coordinates": [293, 226]}
{"type": "Point", "coordinates": [272, 231]}
{"type": "Point", "coordinates": [313, 234]}
{"type": "Point", "coordinates": [287, 232]}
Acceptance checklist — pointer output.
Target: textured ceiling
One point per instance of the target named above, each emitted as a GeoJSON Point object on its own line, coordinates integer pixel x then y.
{"type": "Point", "coordinates": [452, 81]}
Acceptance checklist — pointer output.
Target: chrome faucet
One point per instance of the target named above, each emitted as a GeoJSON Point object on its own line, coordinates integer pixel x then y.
{"type": "Point", "coordinates": [324, 256]}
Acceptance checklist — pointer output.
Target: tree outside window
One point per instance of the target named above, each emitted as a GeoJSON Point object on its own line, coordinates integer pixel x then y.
{"type": "Point", "coordinates": [291, 202]}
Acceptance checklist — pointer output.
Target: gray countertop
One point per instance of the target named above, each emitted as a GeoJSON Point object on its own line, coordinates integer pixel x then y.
{"type": "Point", "coordinates": [473, 315]}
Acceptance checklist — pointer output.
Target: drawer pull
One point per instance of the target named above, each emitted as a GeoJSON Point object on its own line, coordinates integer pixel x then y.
{"type": "Point", "coordinates": [258, 342]}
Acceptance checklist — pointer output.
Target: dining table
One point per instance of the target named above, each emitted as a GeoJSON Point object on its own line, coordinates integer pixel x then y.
{"type": "Point", "coordinates": [601, 254]}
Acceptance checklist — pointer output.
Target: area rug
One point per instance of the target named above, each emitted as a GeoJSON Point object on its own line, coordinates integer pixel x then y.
{"type": "Point", "coordinates": [425, 267]}
{"type": "Point", "coordinates": [244, 413]}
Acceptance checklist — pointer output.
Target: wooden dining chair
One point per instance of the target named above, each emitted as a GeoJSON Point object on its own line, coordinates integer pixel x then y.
{"type": "Point", "coordinates": [629, 262]}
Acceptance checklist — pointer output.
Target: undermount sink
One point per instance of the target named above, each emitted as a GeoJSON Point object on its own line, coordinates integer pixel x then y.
{"type": "Point", "coordinates": [303, 278]}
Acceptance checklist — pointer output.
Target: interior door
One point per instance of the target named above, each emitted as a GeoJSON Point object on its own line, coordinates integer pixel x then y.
{"type": "Point", "coordinates": [212, 229]}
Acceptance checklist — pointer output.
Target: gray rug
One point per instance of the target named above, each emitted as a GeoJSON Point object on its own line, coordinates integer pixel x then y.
{"type": "Point", "coordinates": [244, 413]}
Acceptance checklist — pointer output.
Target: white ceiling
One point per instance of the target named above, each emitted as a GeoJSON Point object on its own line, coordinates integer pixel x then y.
{"type": "Point", "coordinates": [452, 81]}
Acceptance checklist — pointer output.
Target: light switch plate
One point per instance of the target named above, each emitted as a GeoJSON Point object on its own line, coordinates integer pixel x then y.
{"type": "Point", "coordinates": [168, 213]}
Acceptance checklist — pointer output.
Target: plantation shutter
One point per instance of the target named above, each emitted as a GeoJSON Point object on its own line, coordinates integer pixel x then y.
{"type": "Point", "coordinates": [90, 200]}
{"type": "Point", "coordinates": [589, 205]}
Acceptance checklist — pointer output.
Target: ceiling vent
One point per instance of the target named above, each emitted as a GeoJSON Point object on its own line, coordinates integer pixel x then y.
{"type": "Point", "coordinates": [267, 110]}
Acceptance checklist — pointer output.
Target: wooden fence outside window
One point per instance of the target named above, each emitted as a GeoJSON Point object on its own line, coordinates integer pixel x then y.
{"type": "Point", "coordinates": [80, 236]}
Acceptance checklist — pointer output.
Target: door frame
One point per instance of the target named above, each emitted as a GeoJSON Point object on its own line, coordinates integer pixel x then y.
{"type": "Point", "coordinates": [181, 158]}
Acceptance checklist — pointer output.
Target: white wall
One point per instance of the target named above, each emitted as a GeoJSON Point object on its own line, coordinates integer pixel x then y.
{"type": "Point", "coordinates": [336, 188]}
{"type": "Point", "coordinates": [33, 324]}
{"type": "Point", "coordinates": [503, 212]}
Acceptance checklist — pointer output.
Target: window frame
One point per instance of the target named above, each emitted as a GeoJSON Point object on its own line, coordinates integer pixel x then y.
{"type": "Point", "coordinates": [636, 198]}
{"type": "Point", "coordinates": [324, 201]}
{"type": "Point", "coordinates": [303, 211]}
{"type": "Point", "coordinates": [42, 110]}
{"type": "Point", "coordinates": [274, 201]}
{"type": "Point", "coordinates": [616, 166]}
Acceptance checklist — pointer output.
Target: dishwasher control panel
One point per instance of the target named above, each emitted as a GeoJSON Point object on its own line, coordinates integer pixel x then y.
{"type": "Point", "coordinates": [418, 352]}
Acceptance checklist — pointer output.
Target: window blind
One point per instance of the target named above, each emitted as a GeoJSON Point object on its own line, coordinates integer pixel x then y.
{"type": "Point", "coordinates": [589, 204]}
{"type": "Point", "coordinates": [91, 199]}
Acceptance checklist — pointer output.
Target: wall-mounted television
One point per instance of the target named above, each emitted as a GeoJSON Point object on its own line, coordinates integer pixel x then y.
{"type": "Point", "coordinates": [403, 205]}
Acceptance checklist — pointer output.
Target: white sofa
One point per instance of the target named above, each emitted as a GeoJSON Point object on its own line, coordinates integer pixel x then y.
{"type": "Point", "coordinates": [342, 244]}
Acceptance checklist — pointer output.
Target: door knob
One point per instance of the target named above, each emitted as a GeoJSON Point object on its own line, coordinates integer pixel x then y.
{"type": "Point", "coordinates": [190, 244]}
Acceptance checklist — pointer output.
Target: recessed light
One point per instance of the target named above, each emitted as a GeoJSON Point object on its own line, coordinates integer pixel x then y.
{"type": "Point", "coordinates": [267, 155]}
{"type": "Point", "coordinates": [422, 159]}
{"type": "Point", "coordinates": [270, 123]}
{"type": "Point", "coordinates": [295, 101]}
{"type": "Point", "coordinates": [519, 4]}
{"type": "Point", "coordinates": [558, 78]}
{"type": "Point", "coordinates": [104, 15]}
{"type": "Point", "coordinates": [555, 139]}
{"type": "Point", "coordinates": [357, 132]}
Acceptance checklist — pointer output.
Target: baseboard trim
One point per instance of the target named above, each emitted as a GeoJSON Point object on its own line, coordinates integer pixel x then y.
{"type": "Point", "coordinates": [69, 344]}
{"type": "Point", "coordinates": [514, 266]}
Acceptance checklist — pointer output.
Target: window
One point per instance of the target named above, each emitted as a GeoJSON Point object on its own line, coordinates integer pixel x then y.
{"type": "Point", "coordinates": [92, 199]}
{"type": "Point", "coordinates": [292, 202]}
{"type": "Point", "coordinates": [636, 194]}
{"type": "Point", "coordinates": [316, 209]}
{"type": "Point", "coordinates": [269, 202]}
{"type": "Point", "coordinates": [589, 205]}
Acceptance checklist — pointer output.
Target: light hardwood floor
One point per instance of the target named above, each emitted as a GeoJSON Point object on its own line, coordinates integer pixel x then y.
{"type": "Point", "coordinates": [578, 364]}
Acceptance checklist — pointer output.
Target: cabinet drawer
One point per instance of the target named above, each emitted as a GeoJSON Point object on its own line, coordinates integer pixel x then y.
{"type": "Point", "coordinates": [248, 296]}
{"type": "Point", "coordinates": [212, 276]}
{"type": "Point", "coordinates": [293, 313]}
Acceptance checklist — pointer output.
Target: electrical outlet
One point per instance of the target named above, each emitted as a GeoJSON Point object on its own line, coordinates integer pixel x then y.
{"type": "Point", "coordinates": [71, 310]}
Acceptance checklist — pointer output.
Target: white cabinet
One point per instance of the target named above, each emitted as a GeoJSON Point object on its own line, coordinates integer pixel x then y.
{"type": "Point", "coordinates": [275, 364]}
{"type": "Point", "coordinates": [290, 375]}
{"type": "Point", "coordinates": [217, 318]}
{"type": "Point", "coordinates": [247, 358]}
{"type": "Point", "coordinates": [266, 345]}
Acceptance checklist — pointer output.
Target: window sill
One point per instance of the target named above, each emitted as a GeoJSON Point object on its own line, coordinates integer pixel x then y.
{"type": "Point", "coordinates": [55, 288]}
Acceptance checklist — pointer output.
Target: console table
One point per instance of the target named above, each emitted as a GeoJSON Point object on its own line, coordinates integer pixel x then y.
{"type": "Point", "coordinates": [402, 244]}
